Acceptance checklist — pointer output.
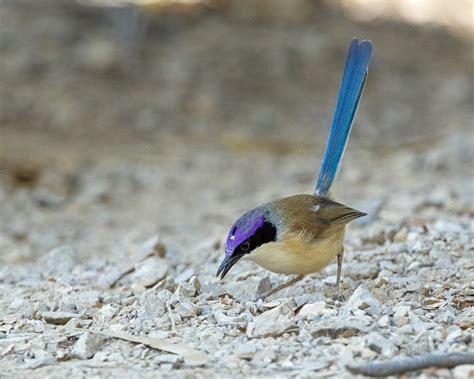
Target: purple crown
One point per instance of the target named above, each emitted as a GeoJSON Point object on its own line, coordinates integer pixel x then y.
{"type": "Point", "coordinates": [244, 227]}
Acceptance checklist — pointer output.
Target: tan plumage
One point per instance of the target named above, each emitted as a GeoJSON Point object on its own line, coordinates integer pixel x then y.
{"type": "Point", "coordinates": [311, 234]}
{"type": "Point", "coordinates": [297, 254]}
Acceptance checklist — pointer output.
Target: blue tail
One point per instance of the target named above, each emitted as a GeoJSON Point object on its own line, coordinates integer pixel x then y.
{"type": "Point", "coordinates": [350, 92]}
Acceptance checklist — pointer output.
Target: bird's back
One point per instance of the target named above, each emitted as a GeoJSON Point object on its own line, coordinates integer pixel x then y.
{"type": "Point", "coordinates": [317, 216]}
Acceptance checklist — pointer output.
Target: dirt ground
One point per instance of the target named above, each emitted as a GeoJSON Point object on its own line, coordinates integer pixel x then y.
{"type": "Point", "coordinates": [130, 141]}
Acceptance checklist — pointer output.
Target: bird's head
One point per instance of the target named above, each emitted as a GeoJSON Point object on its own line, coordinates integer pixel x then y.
{"type": "Point", "coordinates": [250, 231]}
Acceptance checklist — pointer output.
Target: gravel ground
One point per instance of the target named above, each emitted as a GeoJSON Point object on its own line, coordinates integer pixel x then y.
{"type": "Point", "coordinates": [115, 199]}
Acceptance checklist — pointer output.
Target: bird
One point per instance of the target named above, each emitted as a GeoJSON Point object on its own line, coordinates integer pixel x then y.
{"type": "Point", "coordinates": [302, 234]}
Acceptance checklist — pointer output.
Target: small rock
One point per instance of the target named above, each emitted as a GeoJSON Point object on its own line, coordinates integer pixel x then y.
{"type": "Point", "coordinates": [388, 267]}
{"type": "Point", "coordinates": [247, 350]}
{"type": "Point", "coordinates": [401, 310]}
{"type": "Point", "coordinates": [184, 276]}
{"type": "Point", "coordinates": [362, 270]}
{"type": "Point", "coordinates": [16, 303]}
{"type": "Point", "coordinates": [276, 328]}
{"type": "Point", "coordinates": [137, 289]}
{"type": "Point", "coordinates": [374, 236]}
{"type": "Point", "coordinates": [187, 309]}
{"type": "Point", "coordinates": [381, 345]}
{"type": "Point", "coordinates": [368, 354]}
{"type": "Point", "coordinates": [169, 358]}
{"type": "Point", "coordinates": [453, 333]}
{"type": "Point", "coordinates": [38, 358]}
{"type": "Point", "coordinates": [445, 317]}
{"type": "Point", "coordinates": [264, 285]}
{"type": "Point", "coordinates": [400, 320]}
{"type": "Point", "coordinates": [150, 271]}
{"type": "Point", "coordinates": [194, 281]}
{"type": "Point", "coordinates": [164, 295]}
{"type": "Point", "coordinates": [406, 329]}
{"type": "Point", "coordinates": [330, 280]}
{"type": "Point", "coordinates": [400, 317]}
{"type": "Point", "coordinates": [337, 329]}
{"type": "Point", "coordinates": [37, 325]}
{"type": "Point", "coordinates": [313, 309]}
{"type": "Point", "coordinates": [73, 324]}
{"type": "Point", "coordinates": [166, 284]}
{"type": "Point", "coordinates": [105, 315]}
{"type": "Point", "coordinates": [153, 305]}
{"type": "Point", "coordinates": [58, 317]}
{"type": "Point", "coordinates": [361, 299]}
{"type": "Point", "coordinates": [85, 347]}
{"type": "Point", "coordinates": [98, 55]}
{"type": "Point", "coordinates": [154, 246]}
{"type": "Point", "coordinates": [222, 319]}
{"type": "Point", "coordinates": [60, 262]}
{"type": "Point", "coordinates": [263, 357]}
{"type": "Point", "coordinates": [309, 298]}
{"type": "Point", "coordinates": [274, 322]}
{"type": "Point", "coordinates": [418, 325]}
{"type": "Point", "coordinates": [184, 291]}
{"type": "Point", "coordinates": [128, 300]}
{"type": "Point", "coordinates": [60, 354]}
{"type": "Point", "coordinates": [101, 356]}
{"type": "Point", "coordinates": [82, 300]}
{"type": "Point", "coordinates": [109, 277]}
{"type": "Point", "coordinates": [401, 236]}
{"type": "Point", "coordinates": [159, 334]}
{"type": "Point", "coordinates": [463, 372]}
{"type": "Point", "coordinates": [117, 328]}
{"type": "Point", "coordinates": [384, 321]}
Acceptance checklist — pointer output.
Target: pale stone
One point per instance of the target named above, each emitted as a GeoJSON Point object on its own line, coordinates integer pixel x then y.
{"type": "Point", "coordinates": [85, 347]}
{"type": "Point", "coordinates": [361, 299]}
{"type": "Point", "coordinates": [313, 309]}
{"type": "Point", "coordinates": [58, 318]}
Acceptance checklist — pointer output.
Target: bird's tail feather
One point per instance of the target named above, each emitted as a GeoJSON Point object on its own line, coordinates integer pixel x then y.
{"type": "Point", "coordinates": [353, 81]}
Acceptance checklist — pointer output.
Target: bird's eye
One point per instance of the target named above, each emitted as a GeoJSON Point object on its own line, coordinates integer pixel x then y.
{"type": "Point", "coordinates": [245, 245]}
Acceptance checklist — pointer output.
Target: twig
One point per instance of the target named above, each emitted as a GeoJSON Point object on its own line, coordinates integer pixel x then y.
{"type": "Point", "coordinates": [399, 366]}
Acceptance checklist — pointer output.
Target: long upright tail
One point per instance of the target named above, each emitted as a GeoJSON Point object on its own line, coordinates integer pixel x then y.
{"type": "Point", "coordinates": [350, 92]}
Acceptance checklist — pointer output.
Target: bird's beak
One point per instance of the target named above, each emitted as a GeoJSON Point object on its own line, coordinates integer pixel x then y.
{"type": "Point", "coordinates": [227, 264]}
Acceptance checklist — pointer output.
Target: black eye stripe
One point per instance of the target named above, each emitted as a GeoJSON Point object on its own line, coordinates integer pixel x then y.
{"type": "Point", "coordinates": [266, 233]}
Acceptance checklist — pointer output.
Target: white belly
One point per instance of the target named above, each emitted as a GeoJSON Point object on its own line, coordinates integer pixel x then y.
{"type": "Point", "coordinates": [295, 254]}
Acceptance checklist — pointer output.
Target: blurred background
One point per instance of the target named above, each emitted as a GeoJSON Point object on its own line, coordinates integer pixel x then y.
{"type": "Point", "coordinates": [121, 120]}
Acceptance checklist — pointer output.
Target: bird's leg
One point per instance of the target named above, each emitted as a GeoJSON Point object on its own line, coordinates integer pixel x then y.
{"type": "Point", "coordinates": [282, 286]}
{"type": "Point", "coordinates": [339, 270]}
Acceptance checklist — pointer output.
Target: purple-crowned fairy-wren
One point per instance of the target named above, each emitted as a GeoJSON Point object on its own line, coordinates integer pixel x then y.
{"type": "Point", "coordinates": [302, 234]}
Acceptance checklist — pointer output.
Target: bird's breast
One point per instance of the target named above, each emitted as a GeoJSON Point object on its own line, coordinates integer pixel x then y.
{"type": "Point", "coordinates": [296, 253]}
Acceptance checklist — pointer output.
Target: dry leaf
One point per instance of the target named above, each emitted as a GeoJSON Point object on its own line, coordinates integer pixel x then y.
{"type": "Point", "coordinates": [191, 356]}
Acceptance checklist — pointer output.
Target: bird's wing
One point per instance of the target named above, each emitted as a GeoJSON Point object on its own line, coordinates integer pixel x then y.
{"type": "Point", "coordinates": [317, 216]}
{"type": "Point", "coordinates": [327, 217]}
{"type": "Point", "coordinates": [336, 213]}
